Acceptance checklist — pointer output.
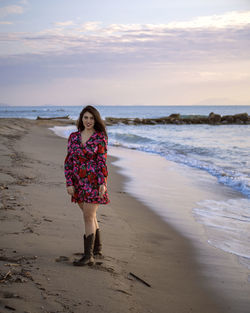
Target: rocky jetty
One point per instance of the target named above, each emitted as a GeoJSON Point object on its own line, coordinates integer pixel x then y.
{"type": "Point", "coordinates": [176, 118]}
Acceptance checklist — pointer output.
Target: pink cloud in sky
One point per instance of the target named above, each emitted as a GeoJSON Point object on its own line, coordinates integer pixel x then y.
{"type": "Point", "coordinates": [180, 62]}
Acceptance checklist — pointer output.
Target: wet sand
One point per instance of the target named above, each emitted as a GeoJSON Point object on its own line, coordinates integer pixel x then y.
{"type": "Point", "coordinates": [41, 232]}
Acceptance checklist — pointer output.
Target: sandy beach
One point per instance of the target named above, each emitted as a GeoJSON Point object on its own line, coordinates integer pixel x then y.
{"type": "Point", "coordinates": [41, 234]}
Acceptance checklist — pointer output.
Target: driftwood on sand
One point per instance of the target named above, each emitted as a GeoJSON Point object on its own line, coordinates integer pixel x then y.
{"type": "Point", "coordinates": [140, 279]}
{"type": "Point", "coordinates": [53, 118]}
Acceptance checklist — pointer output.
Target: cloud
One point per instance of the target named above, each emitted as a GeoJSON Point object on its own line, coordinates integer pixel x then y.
{"type": "Point", "coordinates": [156, 62]}
{"type": "Point", "coordinates": [136, 42]}
{"type": "Point", "coordinates": [229, 19]}
{"type": "Point", "coordinates": [11, 9]}
{"type": "Point", "coordinates": [5, 23]}
{"type": "Point", "coordinates": [204, 35]}
{"type": "Point", "coordinates": [64, 24]}
{"type": "Point", "coordinates": [24, 2]}
{"type": "Point", "coordinates": [90, 27]}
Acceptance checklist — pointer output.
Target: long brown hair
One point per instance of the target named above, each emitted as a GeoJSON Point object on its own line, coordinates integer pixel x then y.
{"type": "Point", "coordinates": [99, 123]}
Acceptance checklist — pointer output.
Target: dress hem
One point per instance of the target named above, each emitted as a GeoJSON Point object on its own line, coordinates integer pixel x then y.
{"type": "Point", "coordinates": [95, 202]}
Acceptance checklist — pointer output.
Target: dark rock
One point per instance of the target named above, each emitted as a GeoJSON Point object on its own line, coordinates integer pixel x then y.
{"type": "Point", "coordinates": [147, 121]}
{"type": "Point", "coordinates": [195, 119]}
{"type": "Point", "coordinates": [214, 118]}
{"type": "Point", "coordinates": [175, 116]}
{"type": "Point", "coordinates": [228, 119]}
{"type": "Point", "coordinates": [238, 121]}
{"type": "Point", "coordinates": [241, 117]}
{"type": "Point", "coordinates": [137, 121]}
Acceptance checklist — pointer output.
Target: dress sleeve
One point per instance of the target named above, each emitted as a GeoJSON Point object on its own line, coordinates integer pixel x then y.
{"type": "Point", "coordinates": [68, 164]}
{"type": "Point", "coordinates": [101, 160]}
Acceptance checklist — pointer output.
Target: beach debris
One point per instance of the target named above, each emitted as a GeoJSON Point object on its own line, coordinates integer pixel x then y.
{"type": "Point", "coordinates": [16, 276]}
{"type": "Point", "coordinates": [26, 274]}
{"type": "Point", "coordinates": [9, 308]}
{"type": "Point", "coordinates": [28, 230]}
{"type": "Point", "coordinates": [11, 264]}
{"type": "Point", "coordinates": [47, 220]}
{"type": "Point", "coordinates": [5, 276]}
{"type": "Point", "coordinates": [4, 187]}
{"type": "Point", "coordinates": [140, 279]}
{"type": "Point", "coordinates": [123, 291]}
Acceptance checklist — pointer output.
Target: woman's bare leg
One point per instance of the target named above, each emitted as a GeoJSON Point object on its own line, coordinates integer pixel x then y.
{"type": "Point", "coordinates": [89, 215]}
{"type": "Point", "coordinates": [90, 228]}
{"type": "Point", "coordinates": [96, 223]}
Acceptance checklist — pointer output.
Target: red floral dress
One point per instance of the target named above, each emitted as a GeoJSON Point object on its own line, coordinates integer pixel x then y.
{"type": "Point", "coordinates": [85, 167]}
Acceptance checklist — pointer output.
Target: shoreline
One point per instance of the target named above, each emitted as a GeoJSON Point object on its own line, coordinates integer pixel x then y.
{"type": "Point", "coordinates": [135, 240]}
{"type": "Point", "coordinates": [182, 190]}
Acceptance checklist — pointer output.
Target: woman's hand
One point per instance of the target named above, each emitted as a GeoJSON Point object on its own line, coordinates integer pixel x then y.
{"type": "Point", "coordinates": [102, 190]}
{"type": "Point", "coordinates": [71, 190]}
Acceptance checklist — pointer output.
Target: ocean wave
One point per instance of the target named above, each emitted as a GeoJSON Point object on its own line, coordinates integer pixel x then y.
{"type": "Point", "coordinates": [63, 131]}
{"type": "Point", "coordinates": [229, 177]}
{"type": "Point", "coordinates": [229, 166]}
{"type": "Point", "coordinates": [187, 155]}
{"type": "Point", "coordinates": [129, 138]}
{"type": "Point", "coordinates": [227, 224]}
{"type": "Point", "coordinates": [152, 143]}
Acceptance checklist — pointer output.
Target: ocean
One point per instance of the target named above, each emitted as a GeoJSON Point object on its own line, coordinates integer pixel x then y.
{"type": "Point", "coordinates": [221, 151]}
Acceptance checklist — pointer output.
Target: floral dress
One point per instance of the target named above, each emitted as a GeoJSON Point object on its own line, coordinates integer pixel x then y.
{"type": "Point", "coordinates": [85, 167]}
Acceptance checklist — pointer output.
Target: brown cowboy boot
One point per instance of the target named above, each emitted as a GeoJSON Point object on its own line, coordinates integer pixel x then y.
{"type": "Point", "coordinates": [88, 258]}
{"type": "Point", "coordinates": [98, 245]}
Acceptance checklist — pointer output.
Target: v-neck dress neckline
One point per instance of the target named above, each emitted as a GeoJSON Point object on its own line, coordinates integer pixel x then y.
{"type": "Point", "coordinates": [80, 137]}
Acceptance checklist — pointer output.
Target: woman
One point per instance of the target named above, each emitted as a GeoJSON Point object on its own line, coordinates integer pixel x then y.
{"type": "Point", "coordinates": [86, 177]}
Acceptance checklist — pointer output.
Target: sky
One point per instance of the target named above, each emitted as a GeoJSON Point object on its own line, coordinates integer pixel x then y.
{"type": "Point", "coordinates": [114, 52]}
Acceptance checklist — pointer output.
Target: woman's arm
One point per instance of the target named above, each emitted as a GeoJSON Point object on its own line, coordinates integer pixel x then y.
{"type": "Point", "coordinates": [101, 162]}
{"type": "Point", "coordinates": [68, 164]}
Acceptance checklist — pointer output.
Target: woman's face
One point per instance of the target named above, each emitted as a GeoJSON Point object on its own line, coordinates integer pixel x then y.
{"type": "Point", "coordinates": [88, 121]}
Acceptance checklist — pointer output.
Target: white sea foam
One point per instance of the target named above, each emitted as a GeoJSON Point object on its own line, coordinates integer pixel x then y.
{"type": "Point", "coordinates": [63, 131]}
{"type": "Point", "coordinates": [223, 151]}
{"type": "Point", "coordinates": [227, 225]}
